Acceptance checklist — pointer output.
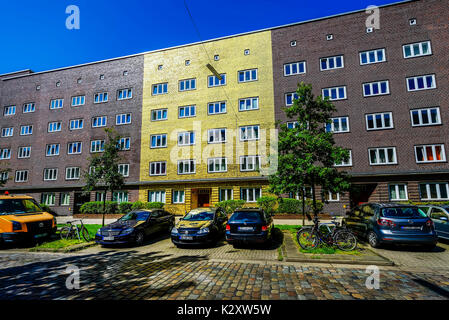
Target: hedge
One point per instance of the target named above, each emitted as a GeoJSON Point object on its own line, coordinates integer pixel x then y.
{"type": "Point", "coordinates": [294, 206]}
{"type": "Point", "coordinates": [113, 207]}
{"type": "Point", "coordinates": [268, 203]}
{"type": "Point", "coordinates": [147, 205]}
{"type": "Point", "coordinates": [230, 206]}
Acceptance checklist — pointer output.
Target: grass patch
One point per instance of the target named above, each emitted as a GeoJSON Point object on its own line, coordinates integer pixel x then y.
{"type": "Point", "coordinates": [91, 228]}
{"type": "Point", "coordinates": [286, 227]}
{"type": "Point", "coordinates": [280, 256]}
{"type": "Point", "coordinates": [322, 249]}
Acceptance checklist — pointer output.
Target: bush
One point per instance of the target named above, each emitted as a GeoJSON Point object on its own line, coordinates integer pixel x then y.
{"type": "Point", "coordinates": [147, 205]}
{"type": "Point", "coordinates": [125, 207]}
{"type": "Point", "coordinates": [267, 203]}
{"type": "Point", "coordinates": [294, 206]}
{"type": "Point", "coordinates": [95, 207]}
{"type": "Point", "coordinates": [229, 206]}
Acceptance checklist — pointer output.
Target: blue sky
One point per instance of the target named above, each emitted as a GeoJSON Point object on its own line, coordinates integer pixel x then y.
{"type": "Point", "coordinates": [34, 35]}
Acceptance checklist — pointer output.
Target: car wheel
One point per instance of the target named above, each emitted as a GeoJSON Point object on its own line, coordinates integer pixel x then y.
{"type": "Point", "coordinates": [139, 238]}
{"type": "Point", "coordinates": [373, 239]}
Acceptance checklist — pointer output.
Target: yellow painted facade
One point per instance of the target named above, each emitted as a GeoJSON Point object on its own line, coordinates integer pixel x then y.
{"type": "Point", "coordinates": [252, 51]}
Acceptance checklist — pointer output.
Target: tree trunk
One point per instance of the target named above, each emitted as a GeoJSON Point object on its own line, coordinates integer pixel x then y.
{"type": "Point", "coordinates": [104, 205]}
{"type": "Point", "coordinates": [303, 207]}
{"type": "Point", "coordinates": [315, 213]}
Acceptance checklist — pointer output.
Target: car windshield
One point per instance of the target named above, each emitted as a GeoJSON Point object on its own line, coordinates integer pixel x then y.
{"type": "Point", "coordinates": [403, 212]}
{"type": "Point", "coordinates": [136, 215]}
{"type": "Point", "coordinates": [199, 216]}
{"type": "Point", "coordinates": [18, 206]}
{"type": "Point", "coordinates": [245, 215]}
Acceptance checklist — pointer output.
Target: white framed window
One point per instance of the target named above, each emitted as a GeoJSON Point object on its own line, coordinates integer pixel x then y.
{"type": "Point", "coordinates": [249, 163]}
{"type": "Point", "coordinates": [101, 97]}
{"type": "Point", "coordinates": [329, 63]}
{"type": "Point", "coordinates": [417, 49]}
{"type": "Point", "coordinates": [213, 81]}
{"type": "Point", "coordinates": [294, 68]}
{"type": "Point", "coordinates": [78, 101]}
{"type": "Point", "coordinates": [158, 168]}
{"type": "Point", "coordinates": [186, 138]}
{"type": "Point", "coordinates": [156, 196]}
{"type": "Point", "coordinates": [425, 117]}
{"type": "Point", "coordinates": [50, 174]}
{"type": "Point", "coordinates": [123, 169]}
{"type": "Point", "coordinates": [215, 165]}
{"type": "Point", "coordinates": [160, 88]}
{"type": "Point", "coordinates": [216, 135]}
{"type": "Point", "coordinates": [247, 75]}
{"type": "Point", "coordinates": [425, 82]}
{"type": "Point", "coordinates": [26, 130]}
{"type": "Point", "coordinates": [338, 125]}
{"type": "Point", "coordinates": [64, 199]}
{"type": "Point", "coordinates": [249, 133]}
{"type": "Point", "coordinates": [4, 176]}
{"type": "Point", "coordinates": [120, 196]}
{"type": "Point", "coordinates": [334, 93]}
{"type": "Point", "coordinates": [124, 94]}
{"type": "Point", "coordinates": [376, 88]}
{"type": "Point", "coordinates": [379, 121]}
{"type": "Point", "coordinates": [24, 152]}
{"type": "Point", "coordinates": [398, 191]}
{"type": "Point", "coordinates": [434, 191]}
{"type": "Point", "coordinates": [7, 132]}
{"type": "Point", "coordinates": [29, 107]}
{"type": "Point", "coordinates": [330, 196]}
{"type": "Point", "coordinates": [74, 147]}
{"type": "Point", "coordinates": [372, 56]}
{"type": "Point", "coordinates": [5, 154]}
{"type": "Point", "coordinates": [124, 118]}
{"type": "Point", "coordinates": [54, 126]}
{"type": "Point", "coordinates": [21, 176]}
{"type": "Point", "coordinates": [52, 150]}
{"type": "Point", "coordinates": [430, 153]}
{"type": "Point", "coordinates": [76, 124]}
{"type": "Point", "coordinates": [187, 84]}
{"type": "Point", "coordinates": [178, 196]}
{"type": "Point", "coordinates": [292, 124]}
{"type": "Point", "coordinates": [99, 196]}
{"type": "Point", "coordinates": [216, 107]}
{"type": "Point", "coordinates": [186, 166]}
{"type": "Point", "coordinates": [9, 111]}
{"type": "Point", "coordinates": [124, 143]}
{"type": "Point", "coordinates": [96, 146]}
{"type": "Point", "coordinates": [72, 173]}
{"type": "Point", "coordinates": [158, 141]}
{"type": "Point", "coordinates": [250, 194]}
{"type": "Point", "coordinates": [249, 104]}
{"type": "Point", "coordinates": [187, 111]}
{"type": "Point", "coordinates": [48, 198]}
{"type": "Point", "coordinates": [98, 122]}
{"type": "Point", "coordinates": [347, 163]}
{"type": "Point", "coordinates": [56, 103]}
{"type": "Point", "coordinates": [226, 194]}
{"type": "Point", "coordinates": [382, 156]}
{"type": "Point", "coordinates": [158, 115]}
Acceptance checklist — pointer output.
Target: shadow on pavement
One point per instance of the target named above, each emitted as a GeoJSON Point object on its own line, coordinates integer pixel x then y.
{"type": "Point", "coordinates": [275, 242]}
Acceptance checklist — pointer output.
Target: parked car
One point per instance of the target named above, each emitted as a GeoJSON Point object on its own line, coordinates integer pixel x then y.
{"type": "Point", "coordinates": [249, 225]}
{"type": "Point", "coordinates": [22, 219]}
{"type": "Point", "coordinates": [135, 226]}
{"type": "Point", "coordinates": [392, 223]}
{"type": "Point", "coordinates": [440, 217]}
{"type": "Point", "coordinates": [200, 226]}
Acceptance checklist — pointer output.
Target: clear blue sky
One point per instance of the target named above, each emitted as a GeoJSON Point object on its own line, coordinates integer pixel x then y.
{"type": "Point", "coordinates": [34, 36]}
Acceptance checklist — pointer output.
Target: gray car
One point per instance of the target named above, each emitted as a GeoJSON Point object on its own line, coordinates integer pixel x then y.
{"type": "Point", "coordinates": [440, 217]}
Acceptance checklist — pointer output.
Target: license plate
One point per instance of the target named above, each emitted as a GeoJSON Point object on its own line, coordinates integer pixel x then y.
{"type": "Point", "coordinates": [186, 238]}
{"type": "Point", "coordinates": [246, 229]}
{"type": "Point", "coordinates": [411, 228]}
{"type": "Point", "coordinates": [41, 235]}
{"type": "Point", "coordinates": [109, 238]}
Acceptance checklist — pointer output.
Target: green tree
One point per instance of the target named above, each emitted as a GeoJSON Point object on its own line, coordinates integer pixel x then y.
{"type": "Point", "coordinates": [103, 173]}
{"type": "Point", "coordinates": [3, 171]}
{"type": "Point", "coordinates": [307, 153]}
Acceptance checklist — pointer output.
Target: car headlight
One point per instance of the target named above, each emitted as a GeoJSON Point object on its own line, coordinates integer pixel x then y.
{"type": "Point", "coordinates": [203, 230]}
{"type": "Point", "coordinates": [127, 230]}
{"type": "Point", "coordinates": [174, 231]}
{"type": "Point", "coordinates": [16, 226]}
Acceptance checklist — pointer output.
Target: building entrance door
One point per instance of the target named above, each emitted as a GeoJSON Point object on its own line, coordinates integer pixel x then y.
{"type": "Point", "coordinates": [361, 193]}
{"type": "Point", "coordinates": [79, 200]}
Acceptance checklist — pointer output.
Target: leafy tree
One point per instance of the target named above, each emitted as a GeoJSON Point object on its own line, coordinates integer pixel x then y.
{"type": "Point", "coordinates": [4, 171]}
{"type": "Point", "coordinates": [102, 173]}
{"type": "Point", "coordinates": [307, 153]}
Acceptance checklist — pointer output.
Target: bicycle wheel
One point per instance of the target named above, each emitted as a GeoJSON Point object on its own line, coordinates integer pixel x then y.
{"type": "Point", "coordinates": [65, 233]}
{"type": "Point", "coordinates": [307, 239]}
{"type": "Point", "coordinates": [85, 233]}
{"type": "Point", "coordinates": [345, 240]}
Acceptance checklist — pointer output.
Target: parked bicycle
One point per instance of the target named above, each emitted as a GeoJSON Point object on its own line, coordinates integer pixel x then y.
{"type": "Point", "coordinates": [73, 231]}
{"type": "Point", "coordinates": [312, 237]}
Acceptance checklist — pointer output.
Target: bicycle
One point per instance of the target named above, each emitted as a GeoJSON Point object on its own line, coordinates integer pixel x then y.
{"type": "Point", "coordinates": [73, 231]}
{"type": "Point", "coordinates": [311, 237]}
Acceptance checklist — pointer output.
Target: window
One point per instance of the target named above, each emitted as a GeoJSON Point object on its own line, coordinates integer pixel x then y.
{"type": "Point", "coordinates": [430, 153]}
{"type": "Point", "coordinates": [213, 81]}
{"type": "Point", "coordinates": [21, 176]}
{"type": "Point", "coordinates": [124, 94]}
{"type": "Point", "coordinates": [382, 156]}
{"type": "Point", "coordinates": [64, 199]}
{"type": "Point", "coordinates": [24, 152]}
{"type": "Point", "coordinates": [398, 192]}
{"type": "Point", "coordinates": [101, 97]}
{"type": "Point", "coordinates": [249, 104]}
{"type": "Point", "coordinates": [158, 115]}
{"type": "Point", "coordinates": [379, 121]}
{"type": "Point", "coordinates": [120, 196]}
{"type": "Point", "coordinates": [293, 68]}
{"type": "Point", "coordinates": [7, 132]}
{"type": "Point", "coordinates": [186, 138]}
{"type": "Point", "coordinates": [158, 168]}
{"type": "Point", "coordinates": [26, 130]}
{"type": "Point", "coordinates": [124, 118]}
{"type": "Point", "coordinates": [226, 194]}
{"type": "Point", "coordinates": [425, 117]}
{"type": "Point", "coordinates": [329, 37]}
{"type": "Point", "coordinates": [4, 176]}
{"type": "Point", "coordinates": [9, 111]}
{"type": "Point", "coordinates": [330, 196]}
{"type": "Point", "coordinates": [330, 63]}
{"type": "Point", "coordinates": [345, 163]}
{"type": "Point", "coordinates": [99, 196]}
{"type": "Point", "coordinates": [216, 107]}
{"type": "Point", "coordinates": [124, 143]}
{"type": "Point", "coordinates": [74, 147]}
{"type": "Point", "coordinates": [156, 196]}
{"type": "Point", "coordinates": [158, 141]}
{"type": "Point", "coordinates": [97, 146]}
{"type": "Point", "coordinates": [160, 88]}
{"type": "Point", "coordinates": [98, 122]}
{"type": "Point", "coordinates": [123, 169]}
{"type": "Point", "coordinates": [412, 21]}
{"type": "Point", "coordinates": [217, 165]}
{"type": "Point", "coordinates": [417, 49]}
{"type": "Point", "coordinates": [250, 194]}
{"type": "Point", "coordinates": [29, 107]}
{"type": "Point", "coordinates": [187, 62]}
{"type": "Point", "coordinates": [56, 103]}
{"type": "Point", "coordinates": [249, 133]}
{"type": "Point", "coordinates": [293, 43]}
{"type": "Point", "coordinates": [372, 56]}
{"type": "Point", "coordinates": [186, 166]}
{"type": "Point", "coordinates": [78, 101]}
{"type": "Point", "coordinates": [246, 52]}
{"type": "Point", "coordinates": [48, 199]}
{"type": "Point", "coordinates": [338, 125]}
{"type": "Point", "coordinates": [216, 135]}
{"type": "Point", "coordinates": [248, 75]}
{"type": "Point", "coordinates": [335, 93]}
{"type": "Point", "coordinates": [186, 85]}
{"type": "Point", "coordinates": [369, 30]}
{"type": "Point", "coordinates": [187, 111]}
{"type": "Point", "coordinates": [249, 163]}
{"type": "Point", "coordinates": [292, 124]}
{"type": "Point", "coordinates": [178, 196]}
{"type": "Point", "coordinates": [5, 154]}
{"type": "Point", "coordinates": [54, 126]}
{"type": "Point", "coordinates": [76, 124]}
{"type": "Point", "coordinates": [50, 174]}
{"type": "Point", "coordinates": [434, 191]}
{"type": "Point", "coordinates": [72, 173]}
{"type": "Point", "coordinates": [376, 88]}
{"type": "Point", "coordinates": [425, 82]}
{"type": "Point", "coordinates": [52, 150]}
